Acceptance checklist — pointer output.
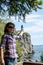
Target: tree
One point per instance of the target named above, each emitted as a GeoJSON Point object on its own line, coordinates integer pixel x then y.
{"type": "Point", "coordinates": [19, 7]}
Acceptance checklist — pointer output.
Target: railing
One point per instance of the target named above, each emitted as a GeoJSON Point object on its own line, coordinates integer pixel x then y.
{"type": "Point", "coordinates": [29, 63]}
{"type": "Point", "coordinates": [32, 63]}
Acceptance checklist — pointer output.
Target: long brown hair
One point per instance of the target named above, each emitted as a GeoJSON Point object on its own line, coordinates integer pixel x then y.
{"type": "Point", "coordinates": [5, 29]}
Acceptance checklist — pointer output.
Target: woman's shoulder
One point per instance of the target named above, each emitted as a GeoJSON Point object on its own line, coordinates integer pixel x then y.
{"type": "Point", "coordinates": [8, 36]}
{"type": "Point", "coordinates": [5, 35]}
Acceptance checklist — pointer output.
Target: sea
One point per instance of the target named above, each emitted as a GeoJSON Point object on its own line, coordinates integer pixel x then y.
{"type": "Point", "coordinates": [38, 50]}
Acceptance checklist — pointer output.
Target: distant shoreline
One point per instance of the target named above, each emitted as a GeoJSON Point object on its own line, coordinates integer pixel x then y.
{"type": "Point", "coordinates": [38, 49]}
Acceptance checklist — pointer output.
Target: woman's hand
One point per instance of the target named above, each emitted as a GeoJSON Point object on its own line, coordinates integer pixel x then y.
{"type": "Point", "coordinates": [2, 62]}
{"type": "Point", "coordinates": [2, 56]}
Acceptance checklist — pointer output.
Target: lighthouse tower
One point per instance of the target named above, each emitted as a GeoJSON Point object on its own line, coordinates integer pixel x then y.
{"type": "Point", "coordinates": [22, 28]}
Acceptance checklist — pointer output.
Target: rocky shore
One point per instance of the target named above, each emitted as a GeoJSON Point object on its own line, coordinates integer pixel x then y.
{"type": "Point", "coordinates": [26, 45]}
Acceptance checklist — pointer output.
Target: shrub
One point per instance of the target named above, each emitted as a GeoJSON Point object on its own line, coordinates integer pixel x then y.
{"type": "Point", "coordinates": [42, 57]}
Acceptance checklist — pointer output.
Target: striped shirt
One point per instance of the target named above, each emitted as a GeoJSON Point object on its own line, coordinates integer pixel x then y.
{"type": "Point", "coordinates": [9, 42]}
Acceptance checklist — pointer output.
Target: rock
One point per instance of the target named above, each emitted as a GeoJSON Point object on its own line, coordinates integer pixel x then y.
{"type": "Point", "coordinates": [19, 63]}
{"type": "Point", "coordinates": [25, 42]}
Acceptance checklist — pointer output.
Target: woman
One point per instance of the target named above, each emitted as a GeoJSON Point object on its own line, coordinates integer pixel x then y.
{"type": "Point", "coordinates": [8, 42]}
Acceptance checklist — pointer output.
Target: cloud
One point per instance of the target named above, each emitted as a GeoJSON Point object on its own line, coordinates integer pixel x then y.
{"type": "Point", "coordinates": [32, 16]}
{"type": "Point", "coordinates": [39, 23]}
{"type": "Point", "coordinates": [36, 36]}
{"type": "Point", "coordinates": [37, 39]}
{"type": "Point", "coordinates": [35, 19]}
{"type": "Point", "coordinates": [34, 29]}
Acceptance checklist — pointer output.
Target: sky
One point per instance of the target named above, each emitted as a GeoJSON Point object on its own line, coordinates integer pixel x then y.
{"type": "Point", "coordinates": [33, 25]}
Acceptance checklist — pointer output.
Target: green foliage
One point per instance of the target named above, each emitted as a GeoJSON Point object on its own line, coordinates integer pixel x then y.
{"type": "Point", "coordinates": [42, 57]}
{"type": "Point", "coordinates": [19, 52]}
{"type": "Point", "coordinates": [19, 7]}
{"type": "Point", "coordinates": [1, 28]}
{"type": "Point", "coordinates": [0, 20]}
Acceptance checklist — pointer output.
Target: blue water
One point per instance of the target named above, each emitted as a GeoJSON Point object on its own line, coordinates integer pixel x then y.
{"type": "Point", "coordinates": [38, 49]}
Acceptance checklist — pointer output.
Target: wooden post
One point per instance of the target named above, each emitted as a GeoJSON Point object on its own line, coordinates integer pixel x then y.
{"type": "Point", "coordinates": [32, 63]}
